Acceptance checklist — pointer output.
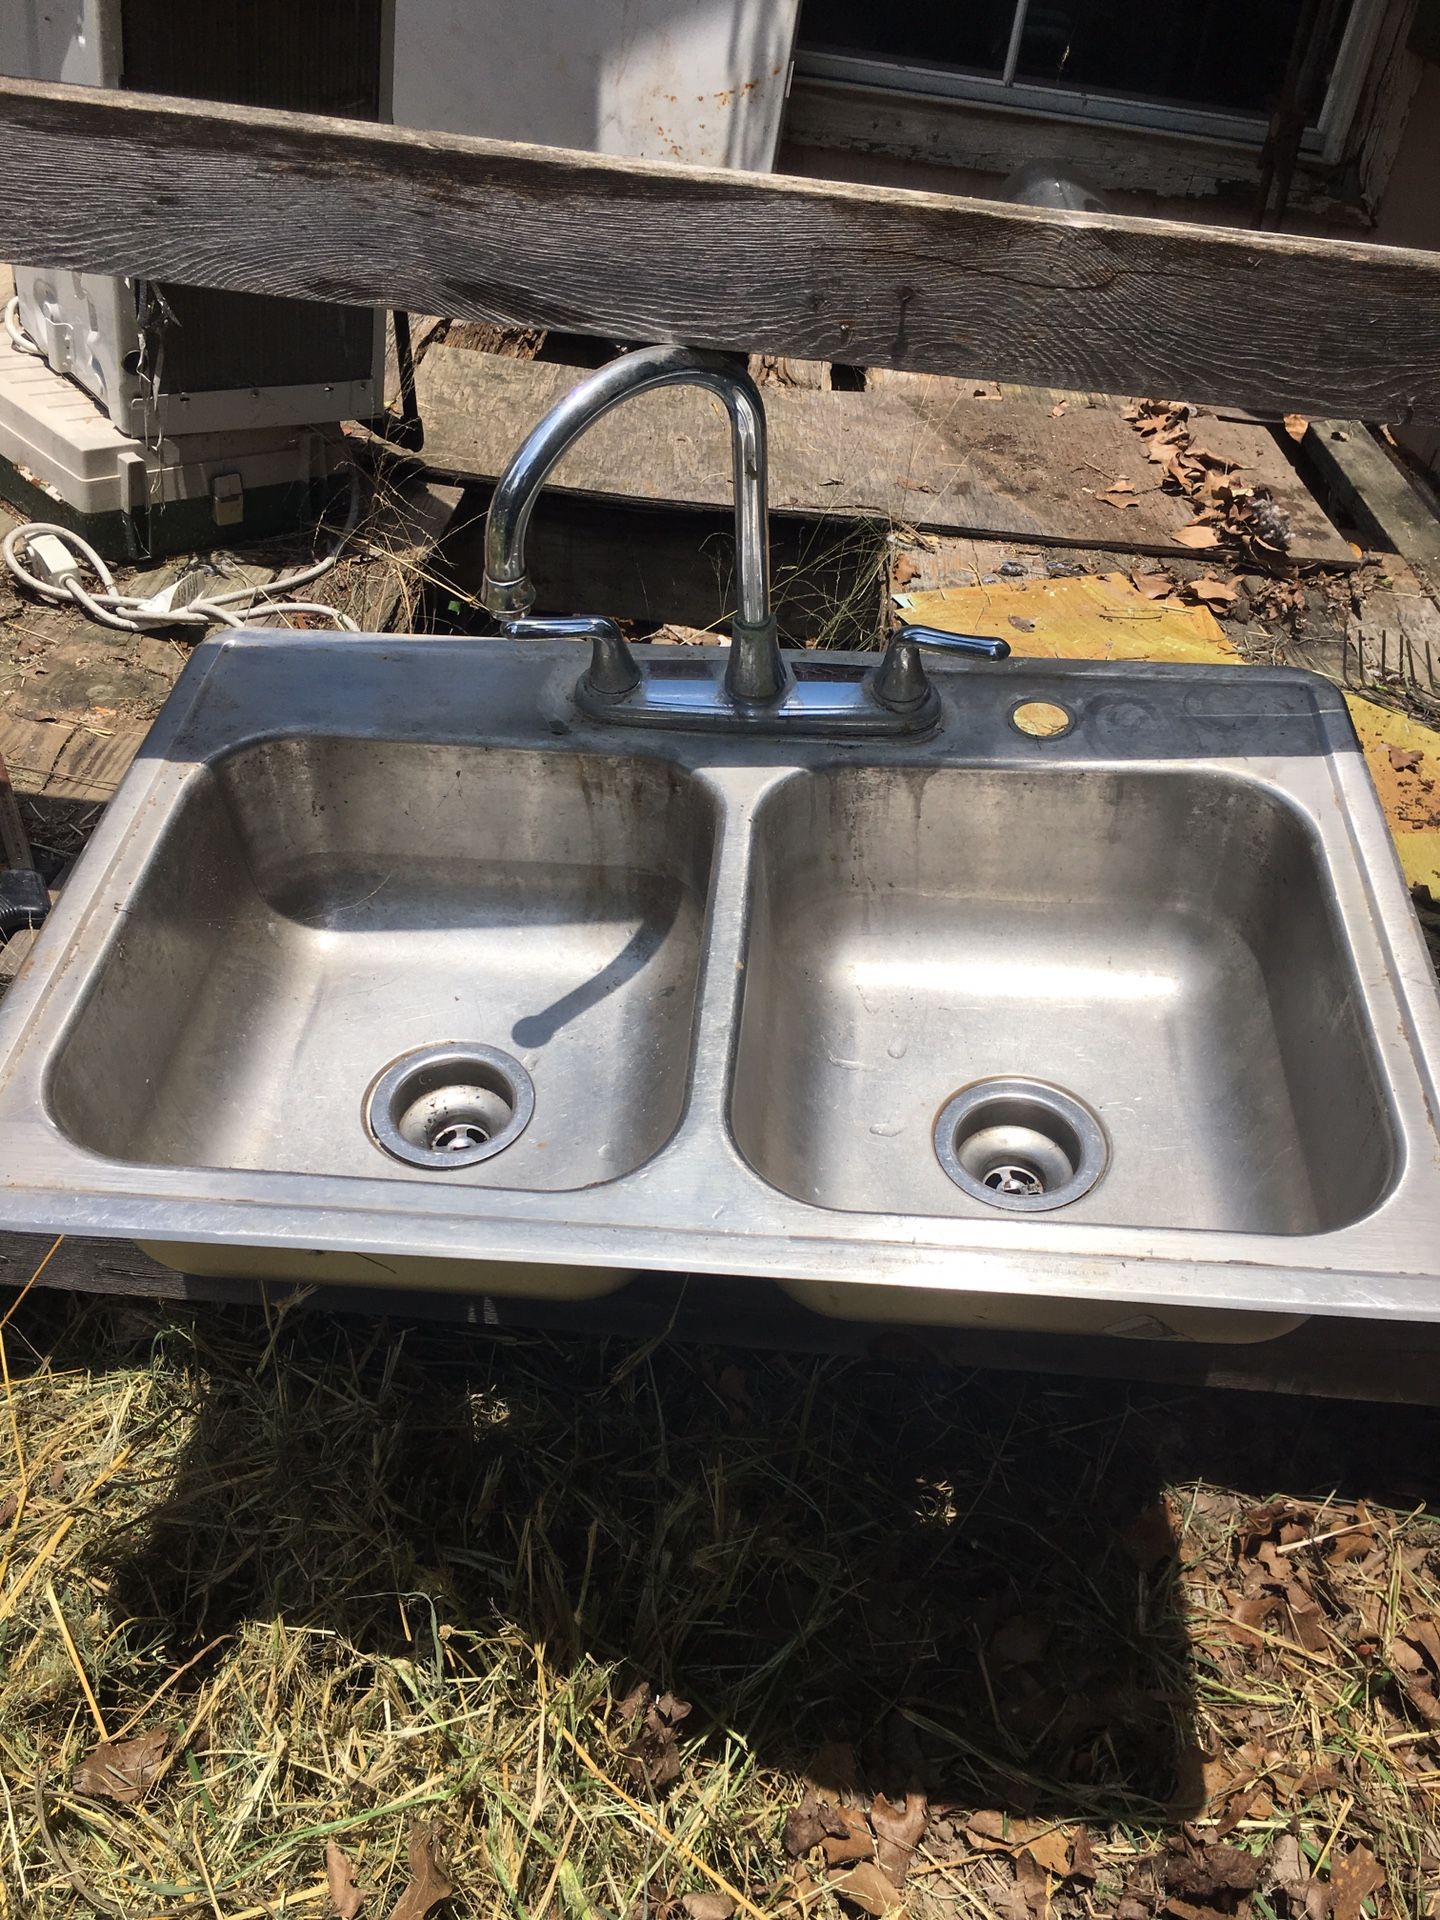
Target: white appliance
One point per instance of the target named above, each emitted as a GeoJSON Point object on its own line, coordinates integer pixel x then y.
{"type": "Point", "coordinates": [702, 81]}
{"type": "Point", "coordinates": [188, 360]}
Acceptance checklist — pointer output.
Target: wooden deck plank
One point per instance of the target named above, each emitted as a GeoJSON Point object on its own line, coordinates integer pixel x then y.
{"type": "Point", "coordinates": [1375, 490]}
{"type": "Point", "coordinates": [271, 202]}
{"type": "Point", "coordinates": [931, 455]}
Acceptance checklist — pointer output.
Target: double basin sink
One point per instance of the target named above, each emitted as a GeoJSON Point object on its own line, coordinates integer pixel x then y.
{"type": "Point", "coordinates": [387, 964]}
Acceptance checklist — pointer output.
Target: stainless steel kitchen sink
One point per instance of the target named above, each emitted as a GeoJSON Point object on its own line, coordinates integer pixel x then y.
{"type": "Point", "coordinates": [389, 963]}
{"type": "Point", "coordinates": [321, 907]}
{"type": "Point", "coordinates": [1158, 943]}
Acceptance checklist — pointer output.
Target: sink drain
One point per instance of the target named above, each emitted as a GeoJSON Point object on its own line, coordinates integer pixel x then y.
{"type": "Point", "coordinates": [450, 1106]}
{"type": "Point", "coordinates": [1020, 1144]}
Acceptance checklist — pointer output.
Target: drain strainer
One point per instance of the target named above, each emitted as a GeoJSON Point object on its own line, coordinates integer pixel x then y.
{"type": "Point", "coordinates": [450, 1106]}
{"type": "Point", "coordinates": [1020, 1144]}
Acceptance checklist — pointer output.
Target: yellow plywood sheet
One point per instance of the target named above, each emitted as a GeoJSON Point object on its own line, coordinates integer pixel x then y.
{"type": "Point", "coordinates": [1104, 617]}
{"type": "Point", "coordinates": [1409, 794]}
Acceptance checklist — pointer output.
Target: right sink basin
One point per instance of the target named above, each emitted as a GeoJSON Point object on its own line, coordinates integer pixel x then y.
{"type": "Point", "coordinates": [1123, 991]}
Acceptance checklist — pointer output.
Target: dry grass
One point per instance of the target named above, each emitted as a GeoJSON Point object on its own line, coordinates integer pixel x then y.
{"type": "Point", "coordinates": [366, 1573]}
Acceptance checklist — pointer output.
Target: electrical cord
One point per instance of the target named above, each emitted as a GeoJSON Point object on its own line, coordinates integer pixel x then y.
{"type": "Point", "coordinates": [19, 339]}
{"type": "Point", "coordinates": [66, 558]}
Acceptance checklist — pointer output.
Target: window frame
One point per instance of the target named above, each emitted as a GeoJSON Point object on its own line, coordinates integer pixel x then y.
{"type": "Point", "coordinates": [919, 80]}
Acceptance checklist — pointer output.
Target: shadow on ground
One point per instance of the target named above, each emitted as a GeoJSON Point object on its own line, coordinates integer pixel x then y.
{"type": "Point", "coordinates": [964, 1577]}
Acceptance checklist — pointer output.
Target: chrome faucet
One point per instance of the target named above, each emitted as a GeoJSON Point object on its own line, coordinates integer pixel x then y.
{"type": "Point", "coordinates": [759, 690]}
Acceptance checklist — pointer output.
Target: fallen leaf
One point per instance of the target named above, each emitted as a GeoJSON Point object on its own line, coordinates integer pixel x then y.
{"type": "Point", "coordinates": [630, 1705]}
{"type": "Point", "coordinates": [1353, 1544]}
{"type": "Point", "coordinates": [867, 1888]}
{"type": "Point", "coordinates": [1198, 537]}
{"type": "Point", "coordinates": [1405, 759]}
{"type": "Point", "coordinates": [1028, 626]}
{"type": "Point", "coordinates": [903, 571]}
{"type": "Point", "coordinates": [1318, 1780]}
{"type": "Point", "coordinates": [807, 1890]}
{"type": "Point", "coordinates": [1211, 1870]}
{"type": "Point", "coordinates": [1052, 1850]}
{"type": "Point", "coordinates": [987, 1831]}
{"type": "Point", "coordinates": [345, 1897]}
{"type": "Point", "coordinates": [1237, 1809]}
{"type": "Point", "coordinates": [122, 1769]}
{"type": "Point", "coordinates": [1251, 1613]}
{"type": "Point", "coordinates": [1082, 1856]}
{"type": "Point", "coordinates": [1296, 425]}
{"type": "Point", "coordinates": [897, 1833]}
{"type": "Point", "coordinates": [9, 1507]}
{"type": "Point", "coordinates": [1309, 1624]}
{"type": "Point", "coordinates": [853, 1842]}
{"type": "Point", "coordinates": [653, 1756]}
{"type": "Point", "coordinates": [1154, 586]}
{"type": "Point", "coordinates": [1289, 1869]}
{"type": "Point", "coordinates": [1032, 1885]}
{"type": "Point", "coordinates": [429, 1883]}
{"type": "Point", "coordinates": [1215, 593]}
{"type": "Point", "coordinates": [1353, 1878]}
{"type": "Point", "coordinates": [1407, 1662]}
{"type": "Point", "coordinates": [807, 1825]}
{"type": "Point", "coordinates": [708, 1906]}
{"type": "Point", "coordinates": [1216, 1778]}
{"type": "Point", "coordinates": [1150, 1537]}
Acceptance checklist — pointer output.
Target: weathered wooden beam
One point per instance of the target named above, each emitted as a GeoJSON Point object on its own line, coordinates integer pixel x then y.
{"type": "Point", "coordinates": [1376, 492]}
{"type": "Point", "coordinates": [324, 209]}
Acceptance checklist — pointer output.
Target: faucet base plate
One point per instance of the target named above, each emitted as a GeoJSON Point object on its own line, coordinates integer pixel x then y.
{"type": "Point", "coordinates": [822, 700]}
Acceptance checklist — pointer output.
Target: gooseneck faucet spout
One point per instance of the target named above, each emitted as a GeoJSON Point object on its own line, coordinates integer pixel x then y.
{"type": "Point", "coordinates": [756, 671]}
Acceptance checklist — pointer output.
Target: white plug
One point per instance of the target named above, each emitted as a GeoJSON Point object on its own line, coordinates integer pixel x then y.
{"type": "Point", "coordinates": [50, 560]}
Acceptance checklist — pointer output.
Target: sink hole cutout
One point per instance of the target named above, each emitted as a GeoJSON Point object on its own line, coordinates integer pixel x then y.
{"type": "Point", "coordinates": [1042, 719]}
{"type": "Point", "coordinates": [1020, 1145]}
{"type": "Point", "coordinates": [450, 1106]}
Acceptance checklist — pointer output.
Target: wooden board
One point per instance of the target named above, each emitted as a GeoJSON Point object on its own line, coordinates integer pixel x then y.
{"type": "Point", "coordinates": [271, 202]}
{"type": "Point", "coordinates": [935, 455]}
{"type": "Point", "coordinates": [1376, 491]}
{"type": "Point", "coordinates": [66, 759]}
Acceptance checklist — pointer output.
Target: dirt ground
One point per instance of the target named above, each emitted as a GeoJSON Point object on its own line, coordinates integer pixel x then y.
{"type": "Point", "coordinates": [519, 1626]}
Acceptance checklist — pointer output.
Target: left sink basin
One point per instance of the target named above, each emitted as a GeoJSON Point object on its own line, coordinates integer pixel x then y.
{"type": "Point", "coordinates": [319, 908]}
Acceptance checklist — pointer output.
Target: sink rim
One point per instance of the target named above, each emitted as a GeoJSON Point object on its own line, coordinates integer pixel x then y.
{"type": "Point", "coordinates": [1384, 1264]}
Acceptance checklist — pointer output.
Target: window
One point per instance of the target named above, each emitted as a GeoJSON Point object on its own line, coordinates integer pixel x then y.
{"type": "Point", "coordinates": [1209, 67]}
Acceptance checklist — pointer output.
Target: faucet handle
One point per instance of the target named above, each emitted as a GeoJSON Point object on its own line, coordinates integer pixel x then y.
{"type": "Point", "coordinates": [613, 672]}
{"type": "Point", "coordinates": [900, 682]}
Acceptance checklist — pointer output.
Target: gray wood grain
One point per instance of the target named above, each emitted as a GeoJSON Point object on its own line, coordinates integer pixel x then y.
{"type": "Point", "coordinates": [326, 209]}
{"type": "Point", "coordinates": [1377, 493]}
